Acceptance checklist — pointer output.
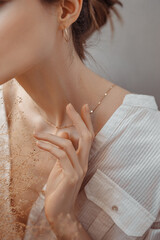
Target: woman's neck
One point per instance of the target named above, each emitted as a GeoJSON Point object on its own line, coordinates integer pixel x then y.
{"type": "Point", "coordinates": [52, 88]}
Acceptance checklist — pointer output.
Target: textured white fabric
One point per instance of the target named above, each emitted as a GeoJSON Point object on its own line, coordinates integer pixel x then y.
{"type": "Point", "coordinates": [120, 195]}
{"type": "Point", "coordinates": [125, 211]}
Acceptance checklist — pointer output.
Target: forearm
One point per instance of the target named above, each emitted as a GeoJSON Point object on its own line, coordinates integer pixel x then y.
{"type": "Point", "coordinates": [69, 228]}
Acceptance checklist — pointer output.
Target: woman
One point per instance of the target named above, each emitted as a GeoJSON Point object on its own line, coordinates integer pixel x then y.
{"type": "Point", "coordinates": [71, 173]}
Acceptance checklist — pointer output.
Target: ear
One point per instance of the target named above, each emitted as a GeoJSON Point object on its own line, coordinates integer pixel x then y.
{"type": "Point", "coordinates": [69, 11]}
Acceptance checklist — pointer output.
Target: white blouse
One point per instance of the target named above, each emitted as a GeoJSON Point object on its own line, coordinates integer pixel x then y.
{"type": "Point", "coordinates": [120, 195]}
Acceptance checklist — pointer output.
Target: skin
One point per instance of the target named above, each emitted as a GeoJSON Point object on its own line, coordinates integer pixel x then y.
{"type": "Point", "coordinates": [67, 175]}
{"type": "Point", "coordinates": [34, 52]}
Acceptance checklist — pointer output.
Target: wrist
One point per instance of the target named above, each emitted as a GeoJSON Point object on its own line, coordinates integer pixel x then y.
{"type": "Point", "coordinates": [66, 227]}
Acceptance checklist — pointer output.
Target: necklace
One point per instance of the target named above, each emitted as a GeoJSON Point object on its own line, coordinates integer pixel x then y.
{"type": "Point", "coordinates": [91, 111]}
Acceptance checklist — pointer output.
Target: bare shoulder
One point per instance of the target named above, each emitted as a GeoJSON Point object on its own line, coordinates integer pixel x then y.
{"type": "Point", "coordinates": [120, 93]}
{"type": "Point", "coordinates": [117, 93]}
{"type": "Point", "coordinates": [121, 89]}
{"type": "Point", "coordinates": [116, 96]}
{"type": "Point", "coordinates": [109, 104]}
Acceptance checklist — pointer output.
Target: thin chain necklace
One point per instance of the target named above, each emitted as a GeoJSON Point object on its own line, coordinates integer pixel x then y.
{"type": "Point", "coordinates": [91, 111]}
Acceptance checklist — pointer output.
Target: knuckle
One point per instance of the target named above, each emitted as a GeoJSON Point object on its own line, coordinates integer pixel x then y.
{"type": "Point", "coordinates": [87, 136]}
{"type": "Point", "coordinates": [74, 179]}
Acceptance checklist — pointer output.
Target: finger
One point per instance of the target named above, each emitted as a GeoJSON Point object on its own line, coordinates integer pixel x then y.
{"type": "Point", "coordinates": [65, 144]}
{"type": "Point", "coordinates": [55, 177]}
{"type": "Point", "coordinates": [58, 153]}
{"type": "Point", "coordinates": [85, 114]}
{"type": "Point", "coordinates": [77, 120]}
{"type": "Point", "coordinates": [85, 139]}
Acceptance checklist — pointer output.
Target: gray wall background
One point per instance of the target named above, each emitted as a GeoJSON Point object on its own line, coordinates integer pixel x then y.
{"type": "Point", "coordinates": [131, 57]}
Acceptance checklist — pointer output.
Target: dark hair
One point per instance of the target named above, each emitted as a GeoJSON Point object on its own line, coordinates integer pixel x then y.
{"type": "Point", "coordinates": [94, 14]}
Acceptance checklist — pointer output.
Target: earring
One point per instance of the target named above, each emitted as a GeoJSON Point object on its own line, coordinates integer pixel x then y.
{"type": "Point", "coordinates": [66, 34]}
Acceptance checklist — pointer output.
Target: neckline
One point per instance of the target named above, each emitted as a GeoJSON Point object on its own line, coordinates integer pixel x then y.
{"type": "Point", "coordinates": [130, 99]}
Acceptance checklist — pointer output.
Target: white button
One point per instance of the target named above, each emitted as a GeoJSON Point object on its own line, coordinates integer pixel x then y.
{"type": "Point", "coordinates": [114, 208]}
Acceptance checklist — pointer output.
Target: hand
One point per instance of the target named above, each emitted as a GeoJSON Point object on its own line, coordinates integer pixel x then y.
{"type": "Point", "coordinates": [67, 175]}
